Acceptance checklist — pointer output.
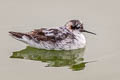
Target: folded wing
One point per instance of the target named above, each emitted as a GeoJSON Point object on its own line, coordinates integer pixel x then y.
{"type": "Point", "coordinates": [44, 34]}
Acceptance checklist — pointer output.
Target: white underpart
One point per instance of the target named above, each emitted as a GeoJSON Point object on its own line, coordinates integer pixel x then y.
{"type": "Point", "coordinates": [80, 40]}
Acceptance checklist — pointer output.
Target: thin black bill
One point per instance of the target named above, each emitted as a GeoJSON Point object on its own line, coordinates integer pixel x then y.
{"type": "Point", "coordinates": [88, 32]}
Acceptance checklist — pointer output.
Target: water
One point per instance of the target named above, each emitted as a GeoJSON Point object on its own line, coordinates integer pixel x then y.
{"type": "Point", "coordinates": [19, 62]}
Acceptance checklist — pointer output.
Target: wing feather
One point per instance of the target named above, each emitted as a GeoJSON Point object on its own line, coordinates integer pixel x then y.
{"type": "Point", "coordinates": [44, 34]}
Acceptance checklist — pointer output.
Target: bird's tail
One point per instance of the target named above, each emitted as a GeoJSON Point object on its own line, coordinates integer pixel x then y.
{"type": "Point", "coordinates": [18, 35]}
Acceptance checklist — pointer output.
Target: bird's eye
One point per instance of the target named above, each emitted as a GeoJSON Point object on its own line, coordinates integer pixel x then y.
{"type": "Point", "coordinates": [77, 27]}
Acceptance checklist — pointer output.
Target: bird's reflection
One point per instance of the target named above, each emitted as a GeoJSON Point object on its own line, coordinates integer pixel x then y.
{"type": "Point", "coordinates": [73, 58]}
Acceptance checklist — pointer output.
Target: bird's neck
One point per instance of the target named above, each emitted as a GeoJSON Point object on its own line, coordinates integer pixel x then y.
{"type": "Point", "coordinates": [76, 32]}
{"type": "Point", "coordinates": [79, 36]}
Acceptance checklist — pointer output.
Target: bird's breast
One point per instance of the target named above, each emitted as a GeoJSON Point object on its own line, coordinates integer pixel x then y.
{"type": "Point", "coordinates": [80, 40]}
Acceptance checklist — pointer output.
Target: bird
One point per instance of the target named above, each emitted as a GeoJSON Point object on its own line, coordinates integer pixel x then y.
{"type": "Point", "coordinates": [67, 37]}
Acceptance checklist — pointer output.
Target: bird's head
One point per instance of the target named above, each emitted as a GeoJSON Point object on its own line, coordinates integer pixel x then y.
{"type": "Point", "coordinates": [76, 25]}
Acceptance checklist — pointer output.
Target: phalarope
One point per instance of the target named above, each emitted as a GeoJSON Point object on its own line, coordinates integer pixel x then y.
{"type": "Point", "coordinates": [67, 37]}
